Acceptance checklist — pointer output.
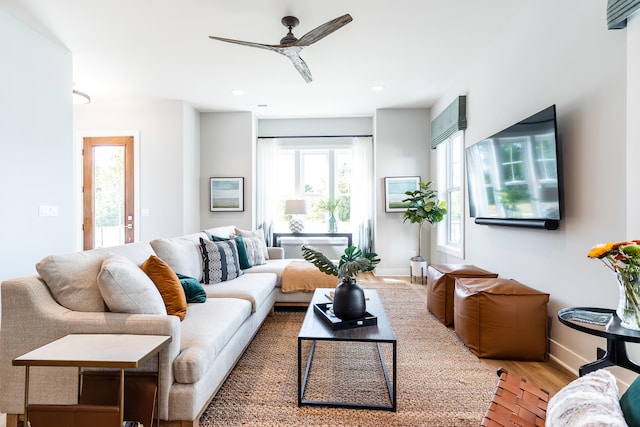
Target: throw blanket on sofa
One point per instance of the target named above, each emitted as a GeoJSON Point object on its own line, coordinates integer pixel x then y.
{"type": "Point", "coordinates": [304, 276]}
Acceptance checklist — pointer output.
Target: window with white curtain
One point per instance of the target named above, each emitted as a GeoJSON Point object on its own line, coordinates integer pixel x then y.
{"type": "Point", "coordinates": [320, 174]}
{"type": "Point", "coordinates": [450, 155]}
{"type": "Point", "coordinates": [318, 170]}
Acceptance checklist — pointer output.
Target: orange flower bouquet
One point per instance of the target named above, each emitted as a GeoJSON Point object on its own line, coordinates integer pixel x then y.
{"type": "Point", "coordinates": [623, 258]}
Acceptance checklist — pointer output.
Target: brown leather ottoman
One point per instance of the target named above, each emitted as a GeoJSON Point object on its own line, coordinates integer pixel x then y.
{"type": "Point", "coordinates": [440, 283]}
{"type": "Point", "coordinates": [501, 318]}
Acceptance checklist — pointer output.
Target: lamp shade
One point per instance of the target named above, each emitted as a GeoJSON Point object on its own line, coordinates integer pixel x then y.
{"type": "Point", "coordinates": [295, 207]}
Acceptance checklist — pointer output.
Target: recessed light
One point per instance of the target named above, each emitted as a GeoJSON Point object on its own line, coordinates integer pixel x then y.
{"type": "Point", "coordinates": [377, 88]}
{"type": "Point", "coordinates": [237, 92]}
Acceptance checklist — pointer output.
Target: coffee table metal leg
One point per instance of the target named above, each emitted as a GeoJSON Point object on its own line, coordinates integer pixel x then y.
{"type": "Point", "coordinates": [303, 383]}
{"type": "Point", "coordinates": [391, 387]}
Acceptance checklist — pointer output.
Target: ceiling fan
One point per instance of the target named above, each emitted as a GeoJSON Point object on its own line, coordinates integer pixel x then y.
{"type": "Point", "coordinates": [290, 46]}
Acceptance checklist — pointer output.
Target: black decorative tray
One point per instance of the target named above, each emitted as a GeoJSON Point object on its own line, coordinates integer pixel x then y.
{"type": "Point", "coordinates": [325, 311]}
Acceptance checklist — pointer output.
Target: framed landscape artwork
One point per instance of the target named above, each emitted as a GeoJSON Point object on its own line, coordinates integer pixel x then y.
{"type": "Point", "coordinates": [227, 194]}
{"type": "Point", "coordinates": [394, 189]}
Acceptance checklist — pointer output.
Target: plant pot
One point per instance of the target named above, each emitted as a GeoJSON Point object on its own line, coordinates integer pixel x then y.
{"type": "Point", "coordinates": [348, 300]}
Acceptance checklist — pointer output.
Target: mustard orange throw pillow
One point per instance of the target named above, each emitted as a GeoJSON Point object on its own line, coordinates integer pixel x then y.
{"type": "Point", "coordinates": [167, 282]}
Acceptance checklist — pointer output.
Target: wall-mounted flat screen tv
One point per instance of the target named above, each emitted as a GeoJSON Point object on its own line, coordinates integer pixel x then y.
{"type": "Point", "coordinates": [514, 176]}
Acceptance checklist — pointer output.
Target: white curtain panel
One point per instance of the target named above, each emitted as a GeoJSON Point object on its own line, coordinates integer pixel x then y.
{"type": "Point", "coordinates": [362, 193]}
{"type": "Point", "coordinates": [266, 181]}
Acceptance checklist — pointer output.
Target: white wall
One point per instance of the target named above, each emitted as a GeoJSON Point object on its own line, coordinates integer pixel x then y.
{"type": "Point", "coordinates": [35, 147]}
{"type": "Point", "coordinates": [316, 127]}
{"type": "Point", "coordinates": [191, 169]}
{"type": "Point", "coordinates": [549, 54]}
{"type": "Point", "coordinates": [169, 150]}
{"type": "Point", "coordinates": [227, 149]}
{"type": "Point", "coordinates": [633, 124]}
{"type": "Point", "coordinates": [402, 148]}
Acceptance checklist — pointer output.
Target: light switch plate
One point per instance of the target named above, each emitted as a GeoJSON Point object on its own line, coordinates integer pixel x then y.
{"type": "Point", "coordinates": [47, 210]}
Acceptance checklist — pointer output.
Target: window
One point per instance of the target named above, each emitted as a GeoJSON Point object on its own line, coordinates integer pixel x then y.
{"type": "Point", "coordinates": [319, 174]}
{"type": "Point", "coordinates": [451, 189]}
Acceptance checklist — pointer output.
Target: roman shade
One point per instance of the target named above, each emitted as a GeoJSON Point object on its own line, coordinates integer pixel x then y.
{"type": "Point", "coordinates": [451, 120]}
{"type": "Point", "coordinates": [618, 11]}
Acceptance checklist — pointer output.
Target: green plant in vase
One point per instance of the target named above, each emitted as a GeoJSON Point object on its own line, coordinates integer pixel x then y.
{"type": "Point", "coordinates": [330, 206]}
{"type": "Point", "coordinates": [348, 300]}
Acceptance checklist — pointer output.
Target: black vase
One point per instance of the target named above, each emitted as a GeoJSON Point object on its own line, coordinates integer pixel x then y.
{"type": "Point", "coordinates": [348, 300]}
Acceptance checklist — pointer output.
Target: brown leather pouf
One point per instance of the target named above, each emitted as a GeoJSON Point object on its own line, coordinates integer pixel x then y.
{"type": "Point", "coordinates": [440, 283]}
{"type": "Point", "coordinates": [501, 318]}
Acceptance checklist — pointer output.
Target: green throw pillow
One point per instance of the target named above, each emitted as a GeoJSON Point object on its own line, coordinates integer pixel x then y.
{"type": "Point", "coordinates": [630, 404]}
{"type": "Point", "coordinates": [193, 290]}
{"type": "Point", "coordinates": [243, 257]}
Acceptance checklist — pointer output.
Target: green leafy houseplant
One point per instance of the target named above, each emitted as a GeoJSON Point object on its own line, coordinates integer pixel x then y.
{"type": "Point", "coordinates": [424, 206]}
{"type": "Point", "coordinates": [351, 263]}
{"type": "Point", "coordinates": [348, 300]}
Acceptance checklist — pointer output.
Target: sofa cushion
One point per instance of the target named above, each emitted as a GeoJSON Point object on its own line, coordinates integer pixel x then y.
{"type": "Point", "coordinates": [253, 248]}
{"type": "Point", "coordinates": [204, 332]}
{"type": "Point", "coordinates": [127, 289]}
{"type": "Point", "coordinates": [193, 290]}
{"type": "Point", "coordinates": [220, 261]}
{"type": "Point", "coordinates": [589, 400]}
{"type": "Point", "coordinates": [275, 266]}
{"type": "Point", "coordinates": [225, 231]}
{"type": "Point", "coordinates": [258, 234]}
{"type": "Point", "coordinates": [136, 252]}
{"type": "Point", "coordinates": [254, 288]}
{"type": "Point", "coordinates": [243, 259]}
{"type": "Point", "coordinates": [167, 282]}
{"type": "Point", "coordinates": [181, 253]}
{"type": "Point", "coordinates": [72, 279]}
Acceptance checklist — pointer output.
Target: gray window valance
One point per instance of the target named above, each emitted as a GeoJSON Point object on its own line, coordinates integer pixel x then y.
{"type": "Point", "coordinates": [451, 120]}
{"type": "Point", "coordinates": [618, 11]}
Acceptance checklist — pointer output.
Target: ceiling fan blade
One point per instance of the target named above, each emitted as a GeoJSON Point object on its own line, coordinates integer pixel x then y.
{"type": "Point", "coordinates": [250, 44]}
{"type": "Point", "coordinates": [293, 53]}
{"type": "Point", "coordinates": [323, 30]}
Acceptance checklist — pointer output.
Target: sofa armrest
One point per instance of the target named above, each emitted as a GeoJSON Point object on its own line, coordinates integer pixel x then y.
{"type": "Point", "coordinates": [32, 318]}
{"type": "Point", "coordinates": [275, 252]}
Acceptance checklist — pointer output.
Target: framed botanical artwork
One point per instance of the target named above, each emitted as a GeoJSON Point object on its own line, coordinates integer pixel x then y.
{"type": "Point", "coordinates": [227, 194]}
{"type": "Point", "coordinates": [394, 189]}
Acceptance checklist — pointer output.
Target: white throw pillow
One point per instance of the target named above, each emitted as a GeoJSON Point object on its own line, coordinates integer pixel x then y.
{"type": "Point", "coordinates": [72, 279]}
{"type": "Point", "coordinates": [181, 253]}
{"type": "Point", "coordinates": [591, 400]}
{"type": "Point", "coordinates": [127, 289]}
{"type": "Point", "coordinates": [260, 235]}
{"type": "Point", "coordinates": [253, 246]}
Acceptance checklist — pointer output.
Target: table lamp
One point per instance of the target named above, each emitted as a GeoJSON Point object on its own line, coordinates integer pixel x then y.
{"type": "Point", "coordinates": [295, 208]}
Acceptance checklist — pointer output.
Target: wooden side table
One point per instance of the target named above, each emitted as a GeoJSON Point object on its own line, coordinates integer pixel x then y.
{"type": "Point", "coordinates": [119, 351]}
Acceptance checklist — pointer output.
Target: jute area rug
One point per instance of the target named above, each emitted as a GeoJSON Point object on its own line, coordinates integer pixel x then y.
{"type": "Point", "coordinates": [440, 382]}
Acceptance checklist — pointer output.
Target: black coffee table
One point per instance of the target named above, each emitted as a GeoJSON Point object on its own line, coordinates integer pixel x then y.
{"type": "Point", "coordinates": [315, 329]}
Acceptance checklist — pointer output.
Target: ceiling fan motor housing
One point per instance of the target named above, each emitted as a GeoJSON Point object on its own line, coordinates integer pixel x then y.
{"type": "Point", "coordinates": [290, 22]}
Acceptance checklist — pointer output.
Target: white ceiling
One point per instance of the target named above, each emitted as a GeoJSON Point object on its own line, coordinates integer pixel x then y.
{"type": "Point", "coordinates": [132, 49]}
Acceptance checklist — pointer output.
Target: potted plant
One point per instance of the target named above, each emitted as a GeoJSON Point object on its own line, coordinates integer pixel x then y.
{"type": "Point", "coordinates": [424, 207]}
{"type": "Point", "coordinates": [348, 299]}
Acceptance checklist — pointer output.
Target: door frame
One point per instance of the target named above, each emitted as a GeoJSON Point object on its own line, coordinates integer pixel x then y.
{"type": "Point", "coordinates": [77, 180]}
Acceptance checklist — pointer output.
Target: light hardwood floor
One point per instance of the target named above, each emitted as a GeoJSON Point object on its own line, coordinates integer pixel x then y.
{"type": "Point", "coordinates": [548, 375]}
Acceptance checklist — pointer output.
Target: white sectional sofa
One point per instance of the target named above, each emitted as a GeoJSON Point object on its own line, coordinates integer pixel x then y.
{"type": "Point", "coordinates": [205, 345]}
